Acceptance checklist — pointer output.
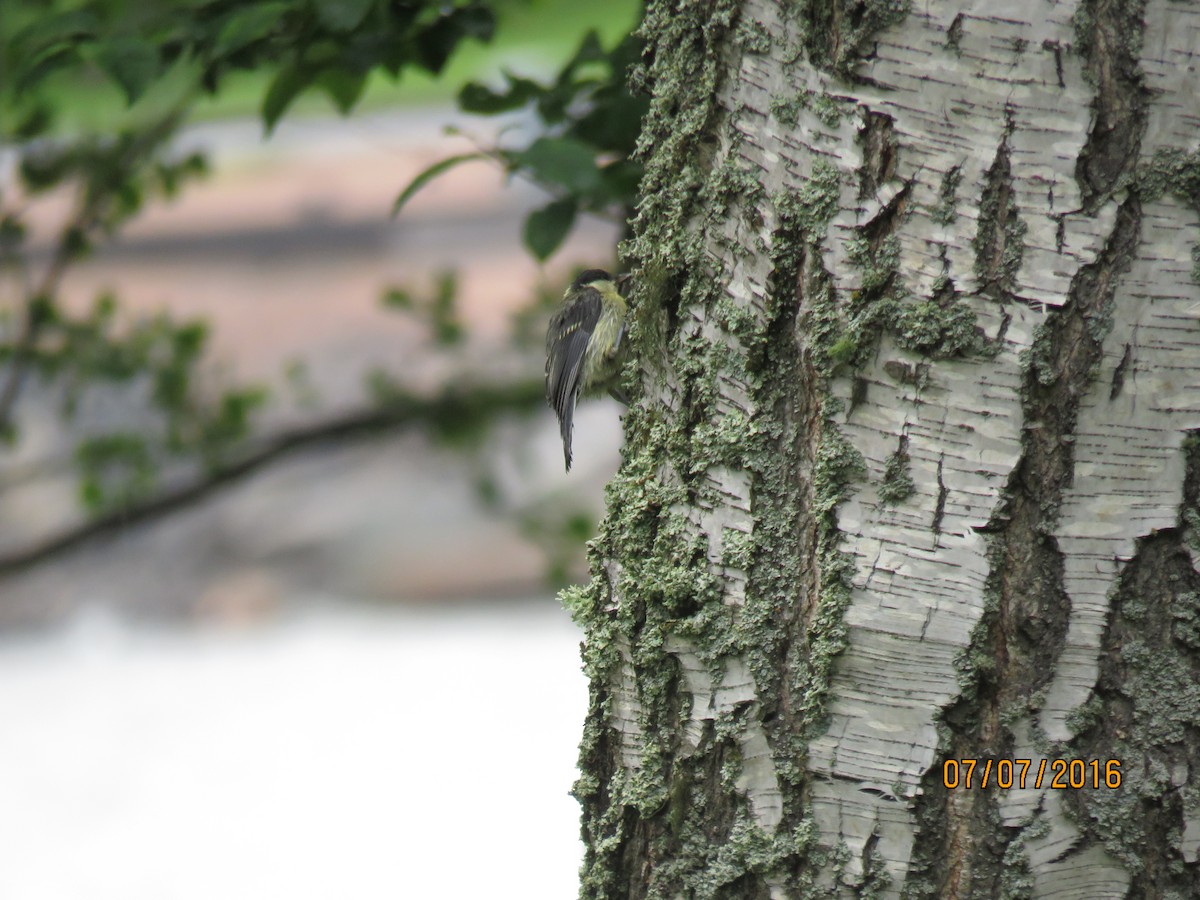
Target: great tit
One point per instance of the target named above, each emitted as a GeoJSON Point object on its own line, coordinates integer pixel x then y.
{"type": "Point", "coordinates": [583, 346]}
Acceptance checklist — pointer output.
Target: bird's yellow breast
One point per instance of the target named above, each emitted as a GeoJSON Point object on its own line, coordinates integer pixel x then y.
{"type": "Point", "coordinates": [602, 359]}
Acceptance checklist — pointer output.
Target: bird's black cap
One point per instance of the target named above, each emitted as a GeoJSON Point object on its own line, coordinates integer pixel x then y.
{"type": "Point", "coordinates": [587, 276]}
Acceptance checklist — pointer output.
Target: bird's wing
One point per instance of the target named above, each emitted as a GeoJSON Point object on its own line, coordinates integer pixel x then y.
{"type": "Point", "coordinates": [566, 341]}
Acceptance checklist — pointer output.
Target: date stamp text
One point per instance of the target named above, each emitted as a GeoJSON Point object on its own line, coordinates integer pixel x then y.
{"type": "Point", "coordinates": [1006, 774]}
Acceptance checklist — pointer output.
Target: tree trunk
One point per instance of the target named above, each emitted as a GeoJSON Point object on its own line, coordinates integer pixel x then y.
{"type": "Point", "coordinates": [909, 478]}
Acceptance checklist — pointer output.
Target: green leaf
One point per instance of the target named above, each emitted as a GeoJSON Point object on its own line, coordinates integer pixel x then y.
{"type": "Point", "coordinates": [46, 166]}
{"type": "Point", "coordinates": [482, 100]}
{"type": "Point", "coordinates": [589, 51]}
{"type": "Point", "coordinates": [447, 327]}
{"type": "Point", "coordinates": [115, 470]}
{"type": "Point", "coordinates": [343, 87]}
{"type": "Point", "coordinates": [428, 175]}
{"type": "Point", "coordinates": [47, 63]}
{"type": "Point", "coordinates": [435, 44]}
{"type": "Point", "coordinates": [547, 228]}
{"type": "Point", "coordinates": [475, 20]}
{"type": "Point", "coordinates": [614, 121]}
{"type": "Point", "coordinates": [248, 25]}
{"type": "Point", "coordinates": [397, 298]}
{"type": "Point", "coordinates": [48, 43]}
{"type": "Point", "coordinates": [133, 64]}
{"type": "Point", "coordinates": [621, 180]}
{"type": "Point", "coordinates": [561, 161]}
{"type": "Point", "coordinates": [35, 121]}
{"type": "Point", "coordinates": [49, 30]}
{"type": "Point", "coordinates": [189, 340]}
{"type": "Point", "coordinates": [12, 233]}
{"type": "Point", "coordinates": [342, 15]}
{"type": "Point", "coordinates": [287, 84]}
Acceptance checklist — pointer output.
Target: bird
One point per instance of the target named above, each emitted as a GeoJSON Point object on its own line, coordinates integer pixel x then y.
{"type": "Point", "coordinates": [584, 345]}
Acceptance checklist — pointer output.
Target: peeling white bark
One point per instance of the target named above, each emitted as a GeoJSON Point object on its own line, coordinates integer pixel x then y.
{"type": "Point", "coordinates": [913, 585]}
{"type": "Point", "coordinates": [710, 702]}
{"type": "Point", "coordinates": [625, 715]}
{"type": "Point", "coordinates": [918, 592]}
{"type": "Point", "coordinates": [1128, 464]}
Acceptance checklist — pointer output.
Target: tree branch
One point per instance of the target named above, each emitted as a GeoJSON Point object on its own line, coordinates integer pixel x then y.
{"type": "Point", "coordinates": [457, 411]}
{"type": "Point", "coordinates": [94, 197]}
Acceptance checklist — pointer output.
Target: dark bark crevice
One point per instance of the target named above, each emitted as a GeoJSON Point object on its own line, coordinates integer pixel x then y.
{"type": "Point", "coordinates": [962, 850]}
{"type": "Point", "coordinates": [878, 138]}
{"type": "Point", "coordinates": [781, 595]}
{"type": "Point", "coordinates": [999, 245]}
{"type": "Point", "coordinates": [1145, 712]}
{"type": "Point", "coordinates": [1020, 636]}
{"type": "Point", "coordinates": [1112, 50]}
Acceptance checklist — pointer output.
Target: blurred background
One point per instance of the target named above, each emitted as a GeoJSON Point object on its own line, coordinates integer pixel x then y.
{"type": "Point", "coordinates": [313, 647]}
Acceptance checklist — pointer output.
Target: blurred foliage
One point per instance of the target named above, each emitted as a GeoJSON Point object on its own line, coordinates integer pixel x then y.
{"type": "Point", "coordinates": [589, 122]}
{"type": "Point", "coordinates": [461, 413]}
{"type": "Point", "coordinates": [165, 58]}
{"type": "Point", "coordinates": [159, 355]}
{"type": "Point", "coordinates": [331, 45]}
{"type": "Point", "coordinates": [562, 535]}
{"type": "Point", "coordinates": [439, 313]}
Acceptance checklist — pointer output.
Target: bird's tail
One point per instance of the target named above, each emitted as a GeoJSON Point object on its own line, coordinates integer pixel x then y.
{"type": "Point", "coordinates": [565, 426]}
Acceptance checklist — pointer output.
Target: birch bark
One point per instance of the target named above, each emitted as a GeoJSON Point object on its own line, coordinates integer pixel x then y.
{"type": "Point", "coordinates": [911, 473]}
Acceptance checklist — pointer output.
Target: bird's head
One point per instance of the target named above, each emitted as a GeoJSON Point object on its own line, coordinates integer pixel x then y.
{"type": "Point", "coordinates": [590, 276]}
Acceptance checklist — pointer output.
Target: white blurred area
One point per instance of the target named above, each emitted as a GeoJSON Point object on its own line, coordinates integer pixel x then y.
{"type": "Point", "coordinates": [338, 753]}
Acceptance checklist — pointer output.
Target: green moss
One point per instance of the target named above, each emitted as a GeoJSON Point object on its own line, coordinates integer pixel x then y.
{"type": "Point", "coordinates": [710, 871]}
{"type": "Point", "coordinates": [836, 33]}
{"type": "Point", "coordinates": [1116, 815]}
{"type": "Point", "coordinates": [877, 261]}
{"type": "Point", "coordinates": [844, 349]}
{"type": "Point", "coordinates": [754, 37]}
{"type": "Point", "coordinates": [1186, 613]}
{"type": "Point", "coordinates": [1166, 696]}
{"type": "Point", "coordinates": [786, 110]}
{"type": "Point", "coordinates": [1129, 40]}
{"type": "Point", "coordinates": [1016, 874]}
{"type": "Point", "coordinates": [1087, 715]}
{"type": "Point", "coordinates": [876, 882]}
{"type": "Point", "coordinates": [947, 209]}
{"type": "Point", "coordinates": [1039, 358]}
{"type": "Point", "coordinates": [975, 663]}
{"type": "Point", "coordinates": [748, 849]}
{"type": "Point", "coordinates": [897, 483]}
{"type": "Point", "coordinates": [827, 108]}
{"type": "Point", "coordinates": [939, 327]}
{"type": "Point", "coordinates": [943, 327]}
{"type": "Point", "coordinates": [1000, 239]}
{"type": "Point", "coordinates": [808, 210]}
{"type": "Point", "coordinates": [729, 184]}
{"type": "Point", "coordinates": [737, 549]}
{"type": "Point", "coordinates": [838, 466]}
{"type": "Point", "coordinates": [684, 76]}
{"type": "Point", "coordinates": [937, 330]}
{"type": "Point", "coordinates": [804, 215]}
{"type": "Point", "coordinates": [1173, 172]}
